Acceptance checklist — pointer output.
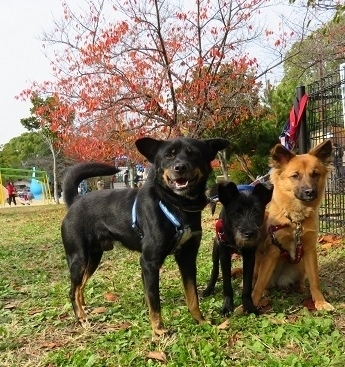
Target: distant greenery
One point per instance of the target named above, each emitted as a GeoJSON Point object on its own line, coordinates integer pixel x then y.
{"type": "Point", "coordinates": [19, 151]}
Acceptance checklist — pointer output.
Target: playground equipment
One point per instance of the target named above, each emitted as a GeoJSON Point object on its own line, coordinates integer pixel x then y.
{"type": "Point", "coordinates": [39, 185]}
{"type": "Point", "coordinates": [36, 186]}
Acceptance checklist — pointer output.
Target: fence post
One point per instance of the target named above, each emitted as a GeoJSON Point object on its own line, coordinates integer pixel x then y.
{"type": "Point", "coordinates": [302, 133]}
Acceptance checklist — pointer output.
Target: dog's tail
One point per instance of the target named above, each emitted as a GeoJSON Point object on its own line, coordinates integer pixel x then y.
{"type": "Point", "coordinates": [79, 172]}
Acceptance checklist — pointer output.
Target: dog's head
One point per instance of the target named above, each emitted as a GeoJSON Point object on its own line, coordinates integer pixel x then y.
{"type": "Point", "coordinates": [244, 211]}
{"type": "Point", "coordinates": [181, 165]}
{"type": "Point", "coordinates": [303, 176]}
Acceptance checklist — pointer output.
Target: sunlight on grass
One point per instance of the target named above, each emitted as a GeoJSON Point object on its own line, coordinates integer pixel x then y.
{"type": "Point", "coordinates": [38, 328]}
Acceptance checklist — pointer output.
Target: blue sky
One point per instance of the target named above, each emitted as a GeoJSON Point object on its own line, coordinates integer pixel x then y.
{"type": "Point", "coordinates": [22, 58]}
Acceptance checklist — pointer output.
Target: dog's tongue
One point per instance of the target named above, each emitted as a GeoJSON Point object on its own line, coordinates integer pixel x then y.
{"type": "Point", "coordinates": [181, 183]}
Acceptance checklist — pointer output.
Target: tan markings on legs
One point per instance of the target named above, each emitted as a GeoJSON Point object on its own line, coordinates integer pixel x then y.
{"type": "Point", "coordinates": [156, 322]}
{"type": "Point", "coordinates": [267, 266]}
{"type": "Point", "coordinates": [80, 301]}
{"type": "Point", "coordinates": [193, 302]}
{"type": "Point", "coordinates": [311, 268]}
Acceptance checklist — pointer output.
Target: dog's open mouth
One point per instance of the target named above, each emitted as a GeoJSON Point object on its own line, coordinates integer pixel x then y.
{"type": "Point", "coordinates": [180, 183]}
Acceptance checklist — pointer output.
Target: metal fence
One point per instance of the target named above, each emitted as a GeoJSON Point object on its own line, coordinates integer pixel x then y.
{"type": "Point", "coordinates": [326, 120]}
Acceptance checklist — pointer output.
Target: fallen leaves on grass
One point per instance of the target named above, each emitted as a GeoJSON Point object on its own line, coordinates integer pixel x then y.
{"type": "Point", "coordinates": [329, 240]}
{"type": "Point", "coordinates": [224, 325]}
{"type": "Point", "coordinates": [10, 306]}
{"type": "Point", "coordinates": [232, 341]}
{"type": "Point", "coordinates": [98, 310]}
{"type": "Point", "coordinates": [309, 304]}
{"type": "Point", "coordinates": [157, 355]}
{"type": "Point", "coordinates": [116, 327]}
{"type": "Point", "coordinates": [35, 311]}
{"type": "Point", "coordinates": [111, 297]}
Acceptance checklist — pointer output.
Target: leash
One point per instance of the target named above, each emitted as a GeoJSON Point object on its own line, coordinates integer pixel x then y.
{"type": "Point", "coordinates": [298, 242]}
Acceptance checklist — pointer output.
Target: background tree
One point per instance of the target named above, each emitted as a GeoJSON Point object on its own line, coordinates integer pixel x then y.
{"type": "Point", "coordinates": [51, 120]}
{"type": "Point", "coordinates": [164, 69]}
{"type": "Point", "coordinates": [313, 57]}
{"type": "Point", "coordinates": [161, 68]}
{"type": "Point", "coordinates": [318, 54]}
{"type": "Point", "coordinates": [21, 152]}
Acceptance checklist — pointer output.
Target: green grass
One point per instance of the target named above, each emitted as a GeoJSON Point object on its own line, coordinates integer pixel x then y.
{"type": "Point", "coordinates": [37, 325]}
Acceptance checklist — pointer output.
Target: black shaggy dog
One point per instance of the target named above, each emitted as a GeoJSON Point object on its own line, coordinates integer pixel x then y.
{"type": "Point", "coordinates": [238, 231]}
{"type": "Point", "coordinates": [162, 217]}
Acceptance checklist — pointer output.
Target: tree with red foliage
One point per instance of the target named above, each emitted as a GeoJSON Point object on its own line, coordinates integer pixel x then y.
{"type": "Point", "coordinates": [158, 69]}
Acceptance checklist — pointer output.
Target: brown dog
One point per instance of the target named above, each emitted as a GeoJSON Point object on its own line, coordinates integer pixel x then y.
{"type": "Point", "coordinates": [288, 253]}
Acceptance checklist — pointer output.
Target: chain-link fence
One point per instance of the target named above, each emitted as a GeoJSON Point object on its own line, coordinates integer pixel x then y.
{"type": "Point", "coordinates": [326, 120]}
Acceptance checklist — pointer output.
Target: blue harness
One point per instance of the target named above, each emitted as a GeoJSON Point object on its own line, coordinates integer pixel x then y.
{"type": "Point", "coordinates": [180, 230]}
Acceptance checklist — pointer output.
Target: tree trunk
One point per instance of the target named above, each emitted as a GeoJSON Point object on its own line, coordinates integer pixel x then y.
{"type": "Point", "coordinates": [56, 191]}
{"type": "Point", "coordinates": [223, 165]}
{"type": "Point", "coordinates": [245, 167]}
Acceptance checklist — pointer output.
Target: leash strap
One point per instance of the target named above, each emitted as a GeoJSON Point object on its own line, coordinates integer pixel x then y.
{"type": "Point", "coordinates": [179, 228]}
{"type": "Point", "coordinates": [283, 252]}
{"type": "Point", "coordinates": [134, 219]}
{"type": "Point", "coordinates": [169, 215]}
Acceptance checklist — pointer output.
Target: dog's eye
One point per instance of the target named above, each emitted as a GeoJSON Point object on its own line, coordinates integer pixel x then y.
{"type": "Point", "coordinates": [192, 153]}
{"type": "Point", "coordinates": [315, 174]}
{"type": "Point", "coordinates": [170, 155]}
{"type": "Point", "coordinates": [294, 175]}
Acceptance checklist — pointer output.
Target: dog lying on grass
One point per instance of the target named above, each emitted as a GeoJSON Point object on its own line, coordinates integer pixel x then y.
{"type": "Point", "coordinates": [238, 231]}
{"type": "Point", "coordinates": [287, 253]}
{"type": "Point", "coordinates": [162, 217]}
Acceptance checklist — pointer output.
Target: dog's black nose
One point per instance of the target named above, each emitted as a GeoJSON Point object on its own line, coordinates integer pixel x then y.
{"type": "Point", "coordinates": [309, 192]}
{"type": "Point", "coordinates": [180, 168]}
{"type": "Point", "coordinates": [249, 234]}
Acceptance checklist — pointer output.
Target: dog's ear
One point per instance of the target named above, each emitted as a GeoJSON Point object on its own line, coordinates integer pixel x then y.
{"type": "Point", "coordinates": [263, 192]}
{"type": "Point", "coordinates": [323, 151]}
{"type": "Point", "coordinates": [149, 147]}
{"type": "Point", "coordinates": [227, 192]}
{"type": "Point", "coordinates": [280, 156]}
{"type": "Point", "coordinates": [215, 145]}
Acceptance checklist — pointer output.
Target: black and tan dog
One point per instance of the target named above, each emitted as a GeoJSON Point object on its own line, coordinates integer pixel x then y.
{"type": "Point", "coordinates": [238, 231]}
{"type": "Point", "coordinates": [162, 217]}
{"type": "Point", "coordinates": [288, 252]}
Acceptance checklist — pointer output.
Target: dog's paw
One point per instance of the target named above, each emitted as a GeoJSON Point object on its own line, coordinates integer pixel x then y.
{"type": "Point", "coordinates": [264, 302]}
{"type": "Point", "coordinates": [84, 323]}
{"type": "Point", "coordinates": [161, 332]}
{"type": "Point", "coordinates": [226, 310]}
{"type": "Point", "coordinates": [87, 309]}
{"type": "Point", "coordinates": [204, 322]}
{"type": "Point", "coordinates": [252, 310]}
{"type": "Point", "coordinates": [323, 305]}
{"type": "Point", "coordinates": [207, 292]}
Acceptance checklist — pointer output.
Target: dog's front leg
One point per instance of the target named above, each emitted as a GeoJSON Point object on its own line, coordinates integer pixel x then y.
{"type": "Point", "coordinates": [248, 255]}
{"type": "Point", "coordinates": [150, 274]}
{"type": "Point", "coordinates": [228, 294]}
{"type": "Point", "coordinates": [267, 266]}
{"type": "Point", "coordinates": [311, 268]}
{"type": "Point", "coordinates": [186, 260]}
{"type": "Point", "coordinates": [215, 270]}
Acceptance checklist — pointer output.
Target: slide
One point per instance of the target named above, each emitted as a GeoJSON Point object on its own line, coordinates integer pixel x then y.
{"type": "Point", "coordinates": [3, 195]}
